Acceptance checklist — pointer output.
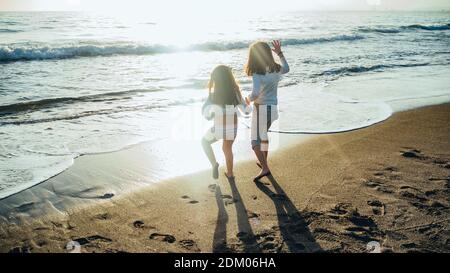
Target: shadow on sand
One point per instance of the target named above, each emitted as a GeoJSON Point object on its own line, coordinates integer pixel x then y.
{"type": "Point", "coordinates": [247, 239]}
{"type": "Point", "coordinates": [293, 227]}
{"type": "Point", "coordinates": [220, 233]}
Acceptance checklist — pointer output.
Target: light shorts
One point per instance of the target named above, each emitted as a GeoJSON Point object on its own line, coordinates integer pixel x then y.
{"type": "Point", "coordinates": [262, 118]}
{"type": "Point", "coordinates": [225, 127]}
{"type": "Point", "coordinates": [213, 135]}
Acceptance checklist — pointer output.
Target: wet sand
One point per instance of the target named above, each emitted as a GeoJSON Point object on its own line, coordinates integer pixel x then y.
{"type": "Point", "coordinates": [386, 185]}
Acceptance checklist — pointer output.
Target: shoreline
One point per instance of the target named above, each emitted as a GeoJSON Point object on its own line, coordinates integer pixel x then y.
{"type": "Point", "coordinates": [16, 207]}
{"type": "Point", "coordinates": [81, 185]}
{"type": "Point", "coordinates": [379, 186]}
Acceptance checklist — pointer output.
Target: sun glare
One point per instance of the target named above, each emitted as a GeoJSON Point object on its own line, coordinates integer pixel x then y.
{"type": "Point", "coordinates": [181, 12]}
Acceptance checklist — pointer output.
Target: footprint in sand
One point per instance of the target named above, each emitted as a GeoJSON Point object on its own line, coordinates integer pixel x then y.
{"type": "Point", "coordinates": [21, 249]}
{"type": "Point", "coordinates": [361, 220]}
{"type": "Point", "coordinates": [62, 225]}
{"type": "Point", "coordinates": [378, 207]}
{"type": "Point", "coordinates": [138, 224]}
{"type": "Point", "coordinates": [412, 194]}
{"type": "Point", "coordinates": [103, 216]}
{"type": "Point", "coordinates": [191, 201]}
{"type": "Point", "coordinates": [212, 187]}
{"type": "Point", "coordinates": [378, 185]}
{"type": "Point", "coordinates": [106, 196]}
{"type": "Point", "coordinates": [252, 214]}
{"type": "Point", "coordinates": [189, 244]}
{"type": "Point", "coordinates": [440, 160]}
{"type": "Point", "coordinates": [244, 236]}
{"type": "Point", "coordinates": [391, 169]}
{"type": "Point", "coordinates": [89, 239]}
{"type": "Point", "coordinates": [371, 183]}
{"type": "Point", "coordinates": [420, 200]}
{"type": "Point", "coordinates": [358, 227]}
{"type": "Point", "coordinates": [412, 153]}
{"type": "Point", "coordinates": [432, 192]}
{"type": "Point", "coordinates": [163, 237]}
{"type": "Point", "coordinates": [409, 245]}
{"type": "Point", "coordinates": [395, 235]}
{"type": "Point", "coordinates": [389, 172]}
{"type": "Point", "coordinates": [41, 228]}
{"type": "Point", "coordinates": [41, 243]}
{"type": "Point", "coordinates": [439, 179]}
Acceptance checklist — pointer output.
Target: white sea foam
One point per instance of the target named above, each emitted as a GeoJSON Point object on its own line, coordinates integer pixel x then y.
{"type": "Point", "coordinates": [10, 53]}
{"type": "Point", "coordinates": [304, 110]}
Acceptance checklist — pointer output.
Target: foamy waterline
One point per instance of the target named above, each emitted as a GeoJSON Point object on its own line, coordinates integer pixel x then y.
{"type": "Point", "coordinates": [62, 160]}
{"type": "Point", "coordinates": [48, 52]}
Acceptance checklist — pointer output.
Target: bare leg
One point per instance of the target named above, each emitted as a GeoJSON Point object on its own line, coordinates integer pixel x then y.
{"type": "Point", "coordinates": [209, 152]}
{"type": "Point", "coordinates": [266, 152]}
{"type": "Point", "coordinates": [260, 149]}
{"type": "Point", "coordinates": [212, 158]}
{"type": "Point", "coordinates": [262, 159]}
{"type": "Point", "coordinates": [227, 148]}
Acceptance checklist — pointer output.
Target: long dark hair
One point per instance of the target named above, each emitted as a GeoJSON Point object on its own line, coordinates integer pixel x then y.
{"type": "Point", "coordinates": [260, 60]}
{"type": "Point", "coordinates": [226, 89]}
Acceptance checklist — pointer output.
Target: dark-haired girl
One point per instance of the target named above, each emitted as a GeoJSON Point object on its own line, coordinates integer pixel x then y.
{"type": "Point", "coordinates": [223, 105]}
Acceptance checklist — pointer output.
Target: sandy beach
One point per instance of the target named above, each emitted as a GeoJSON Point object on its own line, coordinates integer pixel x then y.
{"type": "Point", "coordinates": [387, 184]}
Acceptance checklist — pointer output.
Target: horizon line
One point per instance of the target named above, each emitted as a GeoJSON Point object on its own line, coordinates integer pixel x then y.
{"type": "Point", "coordinates": [306, 10]}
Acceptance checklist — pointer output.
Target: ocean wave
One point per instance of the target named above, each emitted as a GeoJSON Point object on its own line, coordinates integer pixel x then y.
{"type": "Point", "coordinates": [429, 27]}
{"type": "Point", "coordinates": [100, 112]}
{"type": "Point", "coordinates": [388, 30]}
{"type": "Point", "coordinates": [336, 38]}
{"type": "Point", "coordinates": [14, 108]}
{"type": "Point", "coordinates": [11, 53]}
{"type": "Point", "coordinates": [348, 70]}
{"type": "Point", "coordinates": [271, 29]}
{"type": "Point", "coordinates": [23, 53]}
{"type": "Point", "coordinates": [7, 30]}
{"type": "Point", "coordinates": [379, 30]}
{"type": "Point", "coordinates": [9, 23]}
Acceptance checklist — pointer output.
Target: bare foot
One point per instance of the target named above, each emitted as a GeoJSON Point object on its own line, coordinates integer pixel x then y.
{"type": "Point", "coordinates": [263, 173]}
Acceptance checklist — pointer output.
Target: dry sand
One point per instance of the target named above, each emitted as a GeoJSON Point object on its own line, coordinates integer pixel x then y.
{"type": "Point", "coordinates": [388, 184]}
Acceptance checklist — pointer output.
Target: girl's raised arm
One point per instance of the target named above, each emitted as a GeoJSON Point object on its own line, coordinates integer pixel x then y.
{"type": "Point", "coordinates": [277, 49]}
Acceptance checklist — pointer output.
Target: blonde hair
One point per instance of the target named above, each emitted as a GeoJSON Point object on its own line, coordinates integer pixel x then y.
{"type": "Point", "coordinates": [260, 60]}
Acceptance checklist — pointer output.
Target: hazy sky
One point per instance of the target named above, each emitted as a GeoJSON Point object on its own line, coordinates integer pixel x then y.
{"type": "Point", "coordinates": [205, 5]}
